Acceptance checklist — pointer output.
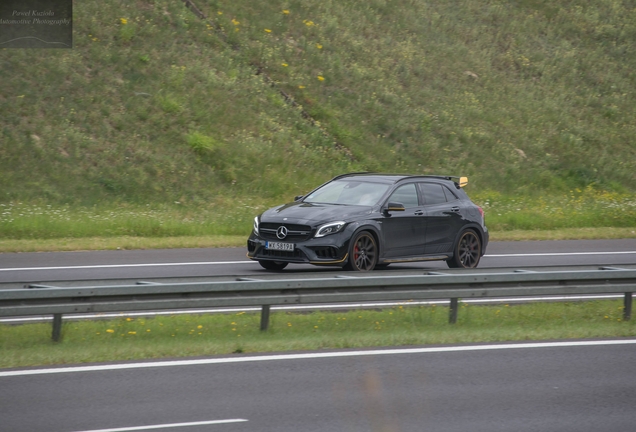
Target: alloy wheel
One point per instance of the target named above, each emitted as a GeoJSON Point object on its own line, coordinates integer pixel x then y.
{"type": "Point", "coordinates": [364, 253]}
{"type": "Point", "coordinates": [469, 250]}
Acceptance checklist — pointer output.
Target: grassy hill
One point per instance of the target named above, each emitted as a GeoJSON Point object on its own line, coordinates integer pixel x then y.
{"type": "Point", "coordinates": [157, 111]}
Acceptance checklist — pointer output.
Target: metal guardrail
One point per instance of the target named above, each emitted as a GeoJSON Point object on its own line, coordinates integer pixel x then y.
{"type": "Point", "coordinates": [245, 292]}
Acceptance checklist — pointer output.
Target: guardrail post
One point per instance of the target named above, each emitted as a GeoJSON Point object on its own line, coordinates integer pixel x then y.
{"type": "Point", "coordinates": [265, 317]}
{"type": "Point", "coordinates": [452, 315]}
{"type": "Point", "coordinates": [57, 327]}
{"type": "Point", "coordinates": [627, 309]}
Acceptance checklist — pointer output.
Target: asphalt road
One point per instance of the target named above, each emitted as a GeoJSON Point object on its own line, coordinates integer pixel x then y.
{"type": "Point", "coordinates": [175, 263]}
{"type": "Point", "coordinates": [555, 388]}
{"type": "Point", "coordinates": [476, 388]}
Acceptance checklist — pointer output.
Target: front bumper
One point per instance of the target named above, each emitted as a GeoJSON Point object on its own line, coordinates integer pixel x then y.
{"type": "Point", "coordinates": [328, 250]}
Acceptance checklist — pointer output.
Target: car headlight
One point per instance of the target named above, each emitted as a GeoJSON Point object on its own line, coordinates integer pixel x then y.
{"type": "Point", "coordinates": [330, 228]}
{"type": "Point", "coordinates": [256, 225]}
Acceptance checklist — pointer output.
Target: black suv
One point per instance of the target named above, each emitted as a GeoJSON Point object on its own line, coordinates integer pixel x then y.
{"type": "Point", "coordinates": [362, 221]}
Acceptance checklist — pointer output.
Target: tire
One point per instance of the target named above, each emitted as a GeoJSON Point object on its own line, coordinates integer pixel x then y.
{"type": "Point", "coordinates": [273, 265]}
{"type": "Point", "coordinates": [363, 252]}
{"type": "Point", "coordinates": [467, 251]}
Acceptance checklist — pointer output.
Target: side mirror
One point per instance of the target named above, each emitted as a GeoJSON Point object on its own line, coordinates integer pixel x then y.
{"type": "Point", "coordinates": [393, 206]}
{"type": "Point", "coordinates": [298, 197]}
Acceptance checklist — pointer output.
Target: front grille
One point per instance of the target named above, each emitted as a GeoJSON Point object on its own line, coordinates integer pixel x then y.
{"type": "Point", "coordinates": [295, 233]}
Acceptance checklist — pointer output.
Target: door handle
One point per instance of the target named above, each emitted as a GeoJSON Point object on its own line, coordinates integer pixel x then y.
{"type": "Point", "coordinates": [419, 213]}
{"type": "Point", "coordinates": [455, 209]}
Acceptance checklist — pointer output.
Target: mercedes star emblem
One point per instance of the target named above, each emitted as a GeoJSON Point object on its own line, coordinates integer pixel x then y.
{"type": "Point", "coordinates": [281, 232]}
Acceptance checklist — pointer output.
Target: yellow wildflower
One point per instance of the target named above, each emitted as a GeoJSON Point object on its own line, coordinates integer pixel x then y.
{"type": "Point", "coordinates": [110, 331]}
{"type": "Point", "coordinates": [284, 64]}
{"type": "Point", "coordinates": [235, 21]}
{"type": "Point", "coordinates": [318, 46]}
{"type": "Point", "coordinates": [321, 78]}
{"type": "Point", "coordinates": [286, 11]}
{"type": "Point", "coordinates": [123, 21]}
{"type": "Point", "coordinates": [268, 31]}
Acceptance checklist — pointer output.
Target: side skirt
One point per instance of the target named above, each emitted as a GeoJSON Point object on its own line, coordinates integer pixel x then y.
{"type": "Point", "coordinates": [415, 259]}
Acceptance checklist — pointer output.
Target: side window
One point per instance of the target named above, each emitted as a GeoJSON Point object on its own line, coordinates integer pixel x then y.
{"type": "Point", "coordinates": [433, 193]}
{"type": "Point", "coordinates": [406, 195]}
{"type": "Point", "coordinates": [450, 195]}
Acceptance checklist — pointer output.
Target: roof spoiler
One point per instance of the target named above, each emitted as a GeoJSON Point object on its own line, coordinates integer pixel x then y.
{"type": "Point", "coordinates": [459, 181]}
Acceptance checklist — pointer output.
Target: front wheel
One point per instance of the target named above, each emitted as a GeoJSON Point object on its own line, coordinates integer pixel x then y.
{"type": "Point", "coordinates": [467, 251]}
{"type": "Point", "coordinates": [363, 252]}
{"type": "Point", "coordinates": [273, 265]}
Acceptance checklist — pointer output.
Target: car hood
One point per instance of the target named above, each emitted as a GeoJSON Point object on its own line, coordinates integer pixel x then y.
{"type": "Point", "coordinates": [313, 214]}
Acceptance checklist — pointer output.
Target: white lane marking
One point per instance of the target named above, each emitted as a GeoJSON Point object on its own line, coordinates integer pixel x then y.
{"type": "Point", "coordinates": [313, 307]}
{"type": "Point", "coordinates": [313, 355]}
{"type": "Point", "coordinates": [166, 426]}
{"type": "Point", "coordinates": [106, 266]}
{"type": "Point", "coordinates": [125, 265]}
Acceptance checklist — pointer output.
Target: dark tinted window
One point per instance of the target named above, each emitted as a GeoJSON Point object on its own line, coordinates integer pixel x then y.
{"type": "Point", "coordinates": [450, 195]}
{"type": "Point", "coordinates": [433, 193]}
{"type": "Point", "coordinates": [406, 195]}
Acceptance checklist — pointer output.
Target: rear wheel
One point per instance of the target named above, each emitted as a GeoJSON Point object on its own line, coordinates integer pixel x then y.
{"type": "Point", "coordinates": [467, 251]}
{"type": "Point", "coordinates": [363, 253]}
{"type": "Point", "coordinates": [273, 265]}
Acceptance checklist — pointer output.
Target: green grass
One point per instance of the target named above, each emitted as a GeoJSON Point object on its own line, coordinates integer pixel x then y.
{"type": "Point", "coordinates": [153, 106]}
{"type": "Point", "coordinates": [580, 214]}
{"type": "Point", "coordinates": [159, 126]}
{"type": "Point", "coordinates": [220, 334]}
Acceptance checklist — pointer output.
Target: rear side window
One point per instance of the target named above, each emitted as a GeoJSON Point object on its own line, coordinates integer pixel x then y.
{"type": "Point", "coordinates": [433, 193]}
{"type": "Point", "coordinates": [450, 195]}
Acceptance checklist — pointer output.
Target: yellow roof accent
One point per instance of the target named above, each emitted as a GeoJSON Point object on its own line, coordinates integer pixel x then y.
{"type": "Point", "coordinates": [463, 181]}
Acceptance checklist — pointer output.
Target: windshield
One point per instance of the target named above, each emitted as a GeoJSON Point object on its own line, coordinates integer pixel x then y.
{"type": "Point", "coordinates": [348, 192]}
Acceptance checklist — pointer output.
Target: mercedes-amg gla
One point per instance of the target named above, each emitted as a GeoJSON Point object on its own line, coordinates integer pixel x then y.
{"type": "Point", "coordinates": [364, 221]}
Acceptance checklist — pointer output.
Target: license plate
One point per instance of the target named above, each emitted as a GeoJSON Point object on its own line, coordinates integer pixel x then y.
{"type": "Point", "coordinates": [279, 246]}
